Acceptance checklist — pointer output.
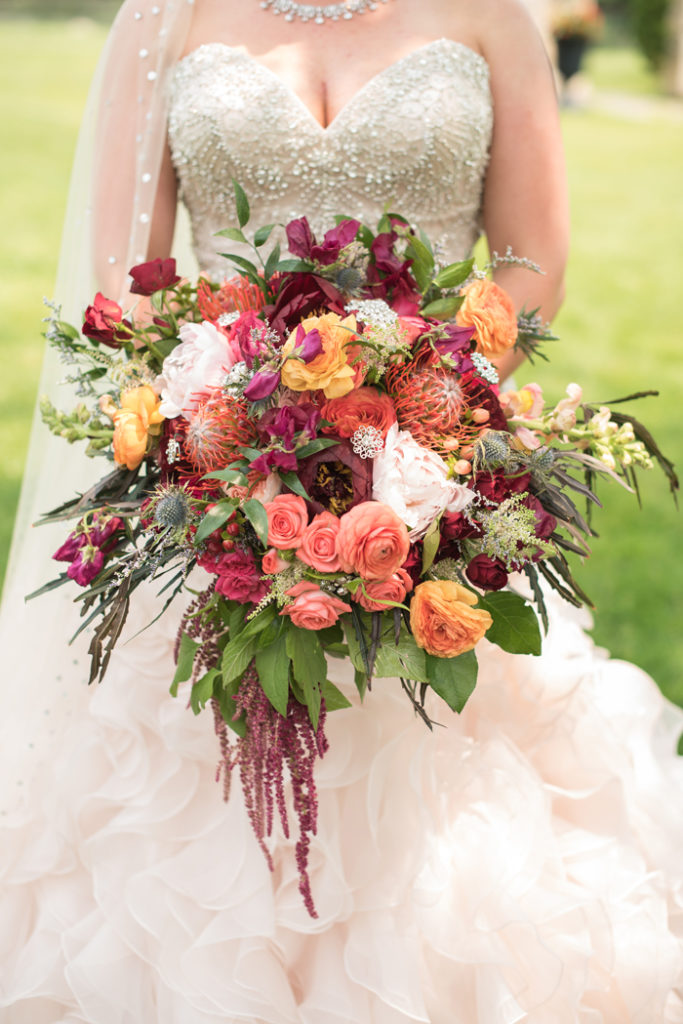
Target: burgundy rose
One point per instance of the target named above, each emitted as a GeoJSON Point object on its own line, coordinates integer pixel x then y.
{"type": "Point", "coordinates": [103, 321]}
{"type": "Point", "coordinates": [496, 486]}
{"type": "Point", "coordinates": [456, 526]}
{"type": "Point", "coordinates": [545, 523]}
{"type": "Point", "coordinates": [487, 573]}
{"type": "Point", "coordinates": [152, 276]}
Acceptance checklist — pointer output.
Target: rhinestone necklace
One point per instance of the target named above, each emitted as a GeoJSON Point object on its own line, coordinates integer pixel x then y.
{"type": "Point", "coordinates": [317, 14]}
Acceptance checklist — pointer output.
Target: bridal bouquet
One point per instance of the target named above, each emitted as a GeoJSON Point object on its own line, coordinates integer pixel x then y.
{"type": "Point", "coordinates": [324, 436]}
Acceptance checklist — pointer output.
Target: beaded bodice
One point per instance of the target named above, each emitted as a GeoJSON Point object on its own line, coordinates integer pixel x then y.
{"type": "Point", "coordinates": [416, 137]}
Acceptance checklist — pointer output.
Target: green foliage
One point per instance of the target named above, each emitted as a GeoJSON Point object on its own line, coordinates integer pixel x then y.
{"type": "Point", "coordinates": [650, 23]}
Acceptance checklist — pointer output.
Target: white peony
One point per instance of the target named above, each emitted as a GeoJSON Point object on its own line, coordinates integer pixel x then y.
{"type": "Point", "coordinates": [413, 481]}
{"type": "Point", "coordinates": [200, 362]}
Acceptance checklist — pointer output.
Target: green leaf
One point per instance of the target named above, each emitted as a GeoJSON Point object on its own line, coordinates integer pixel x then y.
{"type": "Point", "coordinates": [203, 690]}
{"type": "Point", "coordinates": [430, 545]}
{"type": "Point", "coordinates": [235, 620]}
{"type": "Point", "coordinates": [230, 476]}
{"type": "Point", "coordinates": [246, 265]}
{"type": "Point", "coordinates": [423, 262]}
{"type": "Point", "coordinates": [333, 697]}
{"type": "Point", "coordinates": [264, 618]}
{"type": "Point", "coordinates": [308, 666]}
{"type": "Point", "coordinates": [515, 625]}
{"type": "Point", "coordinates": [227, 706]}
{"type": "Point", "coordinates": [214, 519]}
{"type": "Point", "coordinates": [258, 517]}
{"type": "Point", "coordinates": [262, 235]}
{"type": "Point", "coordinates": [237, 654]}
{"type": "Point", "coordinates": [443, 309]}
{"type": "Point", "coordinates": [319, 444]}
{"type": "Point", "coordinates": [241, 203]}
{"type": "Point", "coordinates": [403, 659]}
{"type": "Point", "coordinates": [186, 653]}
{"type": "Point", "coordinates": [361, 681]}
{"type": "Point", "coordinates": [272, 665]}
{"type": "Point", "coordinates": [294, 266]}
{"type": "Point", "coordinates": [235, 234]}
{"type": "Point", "coordinates": [291, 480]}
{"type": "Point", "coordinates": [453, 679]}
{"type": "Point", "coordinates": [454, 274]}
{"type": "Point", "coordinates": [250, 453]}
{"type": "Point", "coordinates": [272, 261]}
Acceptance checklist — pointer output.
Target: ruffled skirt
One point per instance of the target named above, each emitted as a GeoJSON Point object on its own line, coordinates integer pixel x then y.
{"type": "Point", "coordinates": [520, 863]}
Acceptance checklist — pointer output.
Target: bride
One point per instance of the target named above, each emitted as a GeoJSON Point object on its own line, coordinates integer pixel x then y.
{"type": "Point", "coordinates": [521, 864]}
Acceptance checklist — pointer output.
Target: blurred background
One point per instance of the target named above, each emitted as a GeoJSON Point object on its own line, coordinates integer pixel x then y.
{"type": "Point", "coordinates": [621, 328]}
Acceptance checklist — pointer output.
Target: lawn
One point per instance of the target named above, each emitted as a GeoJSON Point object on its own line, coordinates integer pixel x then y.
{"type": "Point", "coordinates": [621, 326]}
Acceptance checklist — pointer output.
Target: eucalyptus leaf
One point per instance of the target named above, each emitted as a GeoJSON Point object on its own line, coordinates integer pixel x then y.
{"type": "Point", "coordinates": [453, 679]}
{"type": "Point", "coordinates": [515, 626]}
{"type": "Point", "coordinates": [230, 476]}
{"type": "Point", "coordinates": [241, 203]}
{"type": "Point", "coordinates": [423, 262]}
{"type": "Point", "coordinates": [294, 266]}
{"type": "Point", "coordinates": [245, 264]}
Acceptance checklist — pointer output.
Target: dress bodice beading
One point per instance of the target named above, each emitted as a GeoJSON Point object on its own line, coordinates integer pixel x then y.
{"type": "Point", "coordinates": [416, 138]}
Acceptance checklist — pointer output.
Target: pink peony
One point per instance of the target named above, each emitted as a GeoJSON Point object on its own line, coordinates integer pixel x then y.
{"type": "Point", "coordinates": [198, 364]}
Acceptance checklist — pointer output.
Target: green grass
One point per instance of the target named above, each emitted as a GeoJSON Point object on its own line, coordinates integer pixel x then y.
{"type": "Point", "coordinates": [620, 328]}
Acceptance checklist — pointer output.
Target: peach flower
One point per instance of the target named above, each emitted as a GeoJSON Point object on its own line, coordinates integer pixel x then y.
{"type": "Point", "coordinates": [318, 546]}
{"type": "Point", "coordinates": [444, 620]}
{"type": "Point", "coordinates": [490, 311]}
{"type": "Point", "coordinates": [272, 562]}
{"type": "Point", "coordinates": [313, 608]}
{"type": "Point", "coordinates": [364, 406]}
{"type": "Point", "coordinates": [525, 404]}
{"type": "Point", "coordinates": [330, 371]}
{"type": "Point", "coordinates": [372, 541]}
{"type": "Point", "coordinates": [137, 418]}
{"type": "Point", "coordinates": [380, 591]}
{"type": "Point", "coordinates": [287, 520]}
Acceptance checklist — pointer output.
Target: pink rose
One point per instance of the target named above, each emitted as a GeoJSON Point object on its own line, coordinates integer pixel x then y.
{"type": "Point", "coordinates": [318, 546]}
{"type": "Point", "coordinates": [312, 608]}
{"type": "Point", "coordinates": [412, 327]}
{"type": "Point", "coordinates": [378, 593]}
{"type": "Point", "coordinates": [372, 541]}
{"type": "Point", "coordinates": [287, 520]}
{"type": "Point", "coordinates": [272, 563]}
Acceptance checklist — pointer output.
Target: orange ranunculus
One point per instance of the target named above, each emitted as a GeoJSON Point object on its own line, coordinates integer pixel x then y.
{"type": "Point", "coordinates": [364, 406]}
{"type": "Point", "coordinates": [137, 418]}
{"type": "Point", "coordinates": [374, 596]}
{"type": "Point", "coordinates": [287, 520]}
{"type": "Point", "coordinates": [490, 311]}
{"type": "Point", "coordinates": [444, 620]}
{"type": "Point", "coordinates": [330, 371]}
{"type": "Point", "coordinates": [313, 608]}
{"type": "Point", "coordinates": [372, 541]}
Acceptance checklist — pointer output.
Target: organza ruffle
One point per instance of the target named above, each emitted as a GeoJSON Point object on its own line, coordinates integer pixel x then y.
{"type": "Point", "coordinates": [520, 863]}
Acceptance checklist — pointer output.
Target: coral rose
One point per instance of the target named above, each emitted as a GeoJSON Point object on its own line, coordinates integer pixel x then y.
{"type": "Point", "coordinates": [287, 520]}
{"type": "Point", "coordinates": [372, 541]}
{"type": "Point", "coordinates": [444, 620]}
{"type": "Point", "coordinates": [318, 546]}
{"type": "Point", "coordinates": [312, 608]}
{"type": "Point", "coordinates": [272, 562]}
{"type": "Point", "coordinates": [330, 371]}
{"type": "Point", "coordinates": [376, 594]}
{"type": "Point", "coordinates": [362, 407]}
{"type": "Point", "coordinates": [133, 423]}
{"type": "Point", "coordinates": [490, 311]}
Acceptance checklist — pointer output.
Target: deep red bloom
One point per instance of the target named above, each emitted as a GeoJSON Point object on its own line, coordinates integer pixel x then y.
{"type": "Point", "coordinates": [239, 578]}
{"type": "Point", "coordinates": [152, 276]}
{"type": "Point", "coordinates": [487, 573]}
{"type": "Point", "coordinates": [302, 243]}
{"type": "Point", "coordinates": [545, 522]}
{"type": "Point", "coordinates": [70, 548]}
{"type": "Point", "coordinates": [496, 486]}
{"type": "Point", "coordinates": [86, 565]}
{"type": "Point", "coordinates": [101, 321]}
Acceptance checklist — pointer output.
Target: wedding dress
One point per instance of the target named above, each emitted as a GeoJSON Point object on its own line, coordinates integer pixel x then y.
{"type": "Point", "coordinates": [519, 864]}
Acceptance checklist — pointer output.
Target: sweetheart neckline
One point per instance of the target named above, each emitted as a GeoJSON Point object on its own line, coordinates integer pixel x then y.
{"type": "Point", "coordinates": [325, 129]}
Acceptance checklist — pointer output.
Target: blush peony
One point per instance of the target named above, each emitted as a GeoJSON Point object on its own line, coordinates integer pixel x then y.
{"type": "Point", "coordinates": [413, 481]}
{"type": "Point", "coordinates": [444, 619]}
{"type": "Point", "coordinates": [198, 364]}
{"type": "Point", "coordinates": [313, 608]}
{"type": "Point", "coordinates": [372, 541]}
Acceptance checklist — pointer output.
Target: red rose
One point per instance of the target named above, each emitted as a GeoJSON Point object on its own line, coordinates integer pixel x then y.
{"type": "Point", "coordinates": [102, 321]}
{"type": "Point", "coordinates": [487, 573]}
{"type": "Point", "coordinates": [496, 486]}
{"type": "Point", "coordinates": [152, 276]}
{"type": "Point", "coordinates": [545, 522]}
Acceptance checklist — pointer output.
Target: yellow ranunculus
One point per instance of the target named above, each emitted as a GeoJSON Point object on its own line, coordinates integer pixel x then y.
{"type": "Point", "coordinates": [330, 371]}
{"type": "Point", "coordinates": [137, 418]}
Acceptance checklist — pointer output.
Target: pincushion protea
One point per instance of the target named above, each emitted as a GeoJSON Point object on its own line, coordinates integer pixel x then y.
{"type": "Point", "coordinates": [215, 431]}
{"type": "Point", "coordinates": [237, 294]}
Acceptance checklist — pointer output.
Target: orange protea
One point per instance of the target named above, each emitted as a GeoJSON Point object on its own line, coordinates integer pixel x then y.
{"type": "Point", "coordinates": [441, 409]}
{"type": "Point", "coordinates": [215, 431]}
{"type": "Point", "coordinates": [234, 295]}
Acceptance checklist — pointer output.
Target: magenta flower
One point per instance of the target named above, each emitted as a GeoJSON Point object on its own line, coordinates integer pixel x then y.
{"type": "Point", "coordinates": [262, 384]}
{"type": "Point", "coordinates": [239, 578]}
{"type": "Point", "coordinates": [308, 346]}
{"type": "Point", "coordinates": [86, 565]}
{"type": "Point", "coordinates": [274, 459]}
{"type": "Point", "coordinates": [70, 548]}
{"type": "Point", "coordinates": [302, 243]}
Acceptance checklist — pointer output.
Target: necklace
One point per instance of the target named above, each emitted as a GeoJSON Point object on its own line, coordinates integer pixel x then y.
{"type": "Point", "coordinates": [313, 12]}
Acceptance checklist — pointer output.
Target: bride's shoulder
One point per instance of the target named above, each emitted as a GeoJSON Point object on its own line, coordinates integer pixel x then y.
{"type": "Point", "coordinates": [495, 28]}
